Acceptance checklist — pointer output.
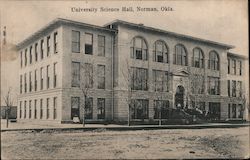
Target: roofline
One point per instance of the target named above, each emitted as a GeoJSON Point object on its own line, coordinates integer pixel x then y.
{"type": "Point", "coordinates": [117, 21]}
{"type": "Point", "coordinates": [57, 22]}
{"type": "Point", "coordinates": [237, 55]}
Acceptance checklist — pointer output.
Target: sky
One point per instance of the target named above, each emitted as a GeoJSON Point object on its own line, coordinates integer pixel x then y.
{"type": "Point", "coordinates": [224, 21]}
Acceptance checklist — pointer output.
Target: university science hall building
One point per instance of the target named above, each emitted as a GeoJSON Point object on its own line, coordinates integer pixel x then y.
{"type": "Point", "coordinates": [67, 66]}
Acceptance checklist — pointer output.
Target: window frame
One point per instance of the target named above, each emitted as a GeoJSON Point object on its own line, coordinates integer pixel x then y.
{"type": "Point", "coordinates": [100, 77]}
{"type": "Point", "coordinates": [214, 61]}
{"type": "Point", "coordinates": [88, 45]}
{"type": "Point", "coordinates": [198, 58]}
{"type": "Point", "coordinates": [75, 112]}
{"type": "Point", "coordinates": [76, 82]}
{"type": "Point", "coordinates": [180, 55]}
{"type": "Point", "coordinates": [101, 47]}
{"type": "Point", "coordinates": [101, 108]}
{"type": "Point", "coordinates": [163, 52]}
{"type": "Point", "coordinates": [141, 52]}
{"type": "Point", "coordinates": [77, 42]}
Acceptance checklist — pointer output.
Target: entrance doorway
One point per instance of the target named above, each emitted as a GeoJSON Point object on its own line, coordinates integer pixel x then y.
{"type": "Point", "coordinates": [179, 97]}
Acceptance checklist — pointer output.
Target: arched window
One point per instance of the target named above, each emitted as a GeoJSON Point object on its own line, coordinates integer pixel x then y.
{"type": "Point", "coordinates": [213, 62]}
{"type": "Point", "coordinates": [160, 52]}
{"type": "Point", "coordinates": [139, 48]}
{"type": "Point", "coordinates": [180, 55]}
{"type": "Point", "coordinates": [198, 58]}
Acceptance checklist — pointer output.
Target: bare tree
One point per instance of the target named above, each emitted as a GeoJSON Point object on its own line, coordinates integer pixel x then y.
{"type": "Point", "coordinates": [128, 80]}
{"type": "Point", "coordinates": [159, 93]}
{"type": "Point", "coordinates": [9, 102]}
{"type": "Point", "coordinates": [86, 84]}
{"type": "Point", "coordinates": [197, 86]}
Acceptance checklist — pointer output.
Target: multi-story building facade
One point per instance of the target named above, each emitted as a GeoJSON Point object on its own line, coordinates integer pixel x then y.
{"type": "Point", "coordinates": [68, 66]}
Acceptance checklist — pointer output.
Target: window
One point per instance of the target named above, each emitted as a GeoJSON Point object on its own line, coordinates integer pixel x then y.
{"type": "Point", "coordinates": [55, 43]}
{"type": "Point", "coordinates": [139, 49]}
{"type": "Point", "coordinates": [100, 108]}
{"type": "Point", "coordinates": [229, 110]}
{"type": "Point", "coordinates": [30, 109]}
{"type": "Point", "coordinates": [76, 41]}
{"type": "Point", "coordinates": [160, 52]}
{"type": "Point", "coordinates": [228, 66]}
{"type": "Point", "coordinates": [25, 105]}
{"type": "Point", "coordinates": [213, 62]}
{"type": "Point", "coordinates": [25, 57]}
{"type": "Point", "coordinates": [30, 54]}
{"type": "Point", "coordinates": [21, 59]}
{"type": "Point", "coordinates": [21, 84]}
{"type": "Point", "coordinates": [240, 68]}
{"type": "Point", "coordinates": [55, 107]}
{"type": "Point", "coordinates": [234, 111]}
{"type": "Point", "coordinates": [75, 74]}
{"type": "Point", "coordinates": [240, 111]}
{"type": "Point", "coordinates": [228, 88]}
{"type": "Point", "coordinates": [101, 45]}
{"type": "Point", "coordinates": [89, 108]}
{"type": "Point", "coordinates": [36, 80]}
{"type": "Point", "coordinates": [234, 88]}
{"type": "Point", "coordinates": [239, 89]}
{"type": "Point", "coordinates": [75, 104]}
{"type": "Point", "coordinates": [234, 66]}
{"type": "Point", "coordinates": [30, 80]}
{"type": "Point", "coordinates": [139, 79]}
{"type": "Point", "coordinates": [88, 43]}
{"type": "Point", "coordinates": [42, 48]}
{"type": "Point", "coordinates": [198, 58]}
{"type": "Point", "coordinates": [36, 52]}
{"type": "Point", "coordinates": [41, 108]}
{"type": "Point", "coordinates": [214, 111]}
{"type": "Point", "coordinates": [213, 85]}
{"type": "Point", "coordinates": [25, 82]}
{"type": "Point", "coordinates": [48, 76]}
{"type": "Point", "coordinates": [47, 107]}
{"type": "Point", "coordinates": [55, 75]}
{"type": "Point", "coordinates": [139, 109]}
{"type": "Point", "coordinates": [180, 55]}
{"type": "Point", "coordinates": [101, 76]}
{"type": "Point", "coordinates": [160, 80]}
{"type": "Point", "coordinates": [197, 84]}
{"type": "Point", "coordinates": [161, 109]}
{"type": "Point", "coordinates": [20, 109]}
{"type": "Point", "coordinates": [48, 46]}
{"type": "Point", "coordinates": [88, 75]}
{"type": "Point", "coordinates": [41, 78]}
{"type": "Point", "coordinates": [35, 109]}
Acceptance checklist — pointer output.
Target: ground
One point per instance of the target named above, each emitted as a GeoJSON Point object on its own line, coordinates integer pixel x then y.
{"type": "Point", "coordinates": [141, 144]}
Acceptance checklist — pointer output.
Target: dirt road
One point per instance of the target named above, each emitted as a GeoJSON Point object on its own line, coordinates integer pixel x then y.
{"type": "Point", "coordinates": [150, 144]}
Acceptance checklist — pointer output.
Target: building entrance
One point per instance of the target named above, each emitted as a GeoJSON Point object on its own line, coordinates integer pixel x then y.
{"type": "Point", "coordinates": [179, 97]}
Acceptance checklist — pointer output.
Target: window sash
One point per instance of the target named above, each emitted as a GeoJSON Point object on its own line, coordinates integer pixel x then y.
{"type": "Point", "coordinates": [75, 82]}
{"type": "Point", "coordinates": [75, 41]}
{"type": "Point", "coordinates": [101, 45]}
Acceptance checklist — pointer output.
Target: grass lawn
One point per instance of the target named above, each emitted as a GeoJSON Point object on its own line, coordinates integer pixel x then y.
{"type": "Point", "coordinates": [150, 144]}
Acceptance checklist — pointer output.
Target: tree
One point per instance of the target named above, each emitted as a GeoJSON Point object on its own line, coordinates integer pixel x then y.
{"type": "Point", "coordinates": [197, 86]}
{"type": "Point", "coordinates": [128, 80]}
{"type": "Point", "coordinates": [86, 84]}
{"type": "Point", "coordinates": [161, 86]}
{"type": "Point", "coordinates": [9, 102]}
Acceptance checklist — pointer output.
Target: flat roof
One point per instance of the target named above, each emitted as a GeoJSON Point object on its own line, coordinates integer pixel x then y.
{"type": "Point", "coordinates": [60, 21]}
{"type": "Point", "coordinates": [55, 23]}
{"type": "Point", "coordinates": [230, 54]}
{"type": "Point", "coordinates": [141, 26]}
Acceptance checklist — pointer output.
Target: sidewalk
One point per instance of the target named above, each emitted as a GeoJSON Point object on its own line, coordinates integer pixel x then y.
{"type": "Point", "coordinates": [56, 126]}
